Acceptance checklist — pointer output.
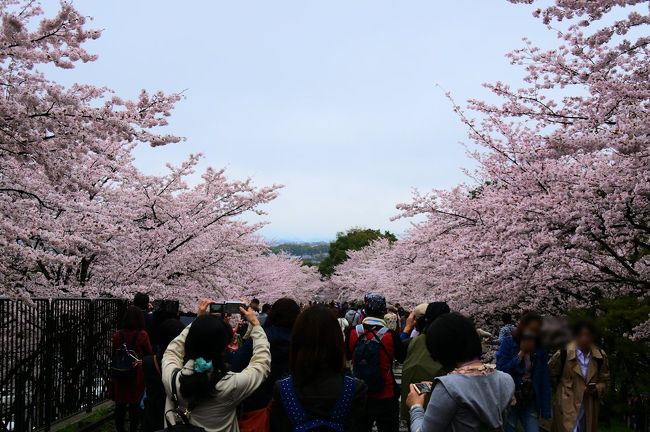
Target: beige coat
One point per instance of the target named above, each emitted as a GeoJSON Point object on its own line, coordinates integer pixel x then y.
{"type": "Point", "coordinates": [571, 388]}
{"type": "Point", "coordinates": [218, 414]}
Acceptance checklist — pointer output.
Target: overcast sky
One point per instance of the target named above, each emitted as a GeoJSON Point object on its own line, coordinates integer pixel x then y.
{"type": "Point", "coordinates": [341, 101]}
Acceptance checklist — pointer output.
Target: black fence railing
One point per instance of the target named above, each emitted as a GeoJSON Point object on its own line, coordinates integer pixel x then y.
{"type": "Point", "coordinates": [54, 359]}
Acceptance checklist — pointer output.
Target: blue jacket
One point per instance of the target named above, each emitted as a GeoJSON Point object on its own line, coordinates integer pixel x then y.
{"type": "Point", "coordinates": [508, 361]}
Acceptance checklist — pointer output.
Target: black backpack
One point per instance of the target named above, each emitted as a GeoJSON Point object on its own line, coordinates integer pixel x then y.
{"type": "Point", "coordinates": [122, 362]}
{"type": "Point", "coordinates": [366, 361]}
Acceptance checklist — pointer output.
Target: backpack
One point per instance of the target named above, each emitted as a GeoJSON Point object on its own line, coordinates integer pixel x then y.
{"type": "Point", "coordinates": [366, 361]}
{"type": "Point", "coordinates": [122, 367]}
{"type": "Point", "coordinates": [299, 418]}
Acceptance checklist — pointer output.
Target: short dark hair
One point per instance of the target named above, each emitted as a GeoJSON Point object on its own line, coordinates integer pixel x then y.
{"type": "Point", "coordinates": [452, 339]}
{"type": "Point", "coordinates": [527, 318]}
{"type": "Point", "coordinates": [506, 318]}
{"type": "Point", "coordinates": [133, 319]}
{"type": "Point", "coordinates": [434, 311]}
{"type": "Point", "coordinates": [141, 300]}
{"type": "Point", "coordinates": [317, 346]}
{"type": "Point", "coordinates": [583, 324]}
{"type": "Point", "coordinates": [168, 331]}
{"type": "Point", "coordinates": [283, 313]}
{"type": "Point", "coordinates": [256, 301]}
{"type": "Point", "coordinates": [266, 308]}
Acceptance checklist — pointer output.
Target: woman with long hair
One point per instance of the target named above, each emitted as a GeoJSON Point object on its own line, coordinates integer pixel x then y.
{"type": "Point", "coordinates": [317, 391]}
{"type": "Point", "coordinates": [193, 364]}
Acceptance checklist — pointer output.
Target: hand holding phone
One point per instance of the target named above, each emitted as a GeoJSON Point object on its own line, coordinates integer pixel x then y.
{"type": "Point", "coordinates": [417, 394]}
{"type": "Point", "coordinates": [423, 387]}
{"type": "Point", "coordinates": [250, 316]}
{"type": "Point", "coordinates": [204, 306]}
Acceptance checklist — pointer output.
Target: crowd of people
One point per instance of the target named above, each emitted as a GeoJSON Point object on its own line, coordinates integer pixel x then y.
{"type": "Point", "coordinates": [331, 367]}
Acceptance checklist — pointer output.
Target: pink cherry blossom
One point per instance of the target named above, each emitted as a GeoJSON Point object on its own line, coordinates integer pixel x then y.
{"type": "Point", "coordinates": [557, 213]}
{"type": "Point", "coordinates": [80, 220]}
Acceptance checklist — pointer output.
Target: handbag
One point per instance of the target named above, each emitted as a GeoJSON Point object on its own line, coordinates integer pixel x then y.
{"type": "Point", "coordinates": [124, 358]}
{"type": "Point", "coordinates": [182, 415]}
{"type": "Point", "coordinates": [254, 421]}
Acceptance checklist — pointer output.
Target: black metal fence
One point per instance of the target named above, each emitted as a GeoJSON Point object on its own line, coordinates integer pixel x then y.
{"type": "Point", "coordinates": [54, 358]}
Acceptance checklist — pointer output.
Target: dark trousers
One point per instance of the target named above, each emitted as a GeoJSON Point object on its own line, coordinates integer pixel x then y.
{"type": "Point", "coordinates": [134, 416]}
{"type": "Point", "coordinates": [382, 412]}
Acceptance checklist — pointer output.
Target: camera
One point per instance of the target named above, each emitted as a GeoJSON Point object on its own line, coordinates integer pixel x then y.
{"type": "Point", "coordinates": [228, 307]}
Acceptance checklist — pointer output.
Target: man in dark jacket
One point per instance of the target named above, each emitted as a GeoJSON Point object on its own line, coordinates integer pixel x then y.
{"type": "Point", "coordinates": [282, 315]}
{"type": "Point", "coordinates": [374, 364]}
{"type": "Point", "coordinates": [154, 402]}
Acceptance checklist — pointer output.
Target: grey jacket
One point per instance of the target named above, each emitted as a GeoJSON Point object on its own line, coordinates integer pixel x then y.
{"type": "Point", "coordinates": [462, 403]}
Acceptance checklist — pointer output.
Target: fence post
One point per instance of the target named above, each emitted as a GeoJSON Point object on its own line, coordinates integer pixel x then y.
{"type": "Point", "coordinates": [20, 407]}
{"type": "Point", "coordinates": [49, 365]}
{"type": "Point", "coordinates": [90, 363]}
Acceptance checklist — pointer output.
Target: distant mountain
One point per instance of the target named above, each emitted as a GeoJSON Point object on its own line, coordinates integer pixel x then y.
{"type": "Point", "coordinates": [309, 252]}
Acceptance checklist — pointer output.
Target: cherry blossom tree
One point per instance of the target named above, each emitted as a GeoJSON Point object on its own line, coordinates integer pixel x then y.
{"type": "Point", "coordinates": [383, 267]}
{"type": "Point", "coordinates": [78, 217]}
{"type": "Point", "coordinates": [272, 276]}
{"type": "Point", "coordinates": [556, 215]}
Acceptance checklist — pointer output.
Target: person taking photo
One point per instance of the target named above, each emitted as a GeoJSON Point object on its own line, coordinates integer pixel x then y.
{"type": "Point", "coordinates": [194, 372]}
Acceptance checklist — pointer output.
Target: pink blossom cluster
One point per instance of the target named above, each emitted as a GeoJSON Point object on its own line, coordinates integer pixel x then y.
{"type": "Point", "coordinates": [79, 219]}
{"type": "Point", "coordinates": [557, 214]}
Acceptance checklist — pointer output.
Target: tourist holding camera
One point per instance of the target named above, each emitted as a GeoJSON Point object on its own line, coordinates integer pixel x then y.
{"type": "Point", "coordinates": [194, 370]}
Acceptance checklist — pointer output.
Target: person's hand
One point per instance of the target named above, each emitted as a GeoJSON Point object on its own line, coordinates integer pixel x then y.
{"type": "Point", "coordinates": [410, 323]}
{"type": "Point", "coordinates": [204, 306]}
{"type": "Point", "coordinates": [414, 398]}
{"type": "Point", "coordinates": [250, 316]}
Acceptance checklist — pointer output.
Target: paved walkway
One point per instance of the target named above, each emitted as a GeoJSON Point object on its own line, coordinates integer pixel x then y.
{"type": "Point", "coordinates": [397, 370]}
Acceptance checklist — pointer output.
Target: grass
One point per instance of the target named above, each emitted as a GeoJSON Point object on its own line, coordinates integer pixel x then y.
{"type": "Point", "coordinates": [95, 416]}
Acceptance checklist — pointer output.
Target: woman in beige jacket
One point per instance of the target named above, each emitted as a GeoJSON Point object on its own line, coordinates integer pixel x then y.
{"type": "Point", "coordinates": [581, 374]}
{"type": "Point", "coordinates": [204, 386]}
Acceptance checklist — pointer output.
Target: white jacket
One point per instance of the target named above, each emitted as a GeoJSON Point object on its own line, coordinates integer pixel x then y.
{"type": "Point", "coordinates": [218, 414]}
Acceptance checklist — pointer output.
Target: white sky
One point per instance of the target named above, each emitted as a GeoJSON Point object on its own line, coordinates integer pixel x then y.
{"type": "Point", "coordinates": [337, 100]}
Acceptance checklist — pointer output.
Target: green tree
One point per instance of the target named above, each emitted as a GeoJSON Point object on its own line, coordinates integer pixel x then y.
{"type": "Point", "coordinates": [353, 239]}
